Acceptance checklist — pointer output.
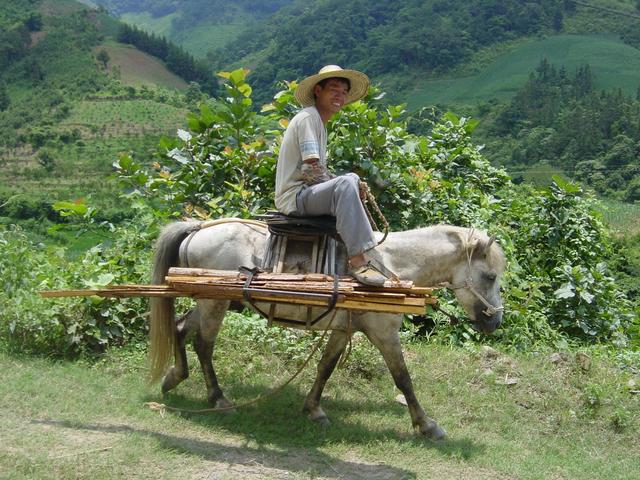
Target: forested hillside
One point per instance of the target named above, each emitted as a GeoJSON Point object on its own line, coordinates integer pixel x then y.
{"type": "Point", "coordinates": [69, 104]}
{"type": "Point", "coordinates": [197, 25]}
{"type": "Point", "coordinates": [412, 37]}
{"type": "Point", "coordinates": [560, 120]}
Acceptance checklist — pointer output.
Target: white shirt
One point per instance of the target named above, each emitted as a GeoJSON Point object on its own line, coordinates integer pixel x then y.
{"type": "Point", "coordinates": [305, 138]}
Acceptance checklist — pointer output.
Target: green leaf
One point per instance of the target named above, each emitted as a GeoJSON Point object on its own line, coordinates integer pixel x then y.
{"type": "Point", "coordinates": [245, 89]}
{"type": "Point", "coordinates": [238, 76]}
{"type": "Point", "coordinates": [67, 209]}
{"type": "Point", "coordinates": [564, 185]}
{"type": "Point", "coordinates": [470, 125]}
{"type": "Point", "coordinates": [125, 162]}
{"type": "Point", "coordinates": [586, 296]}
{"type": "Point", "coordinates": [566, 291]}
{"type": "Point", "coordinates": [451, 117]}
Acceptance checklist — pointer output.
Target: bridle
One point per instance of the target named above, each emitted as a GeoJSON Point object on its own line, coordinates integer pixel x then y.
{"type": "Point", "coordinates": [468, 284]}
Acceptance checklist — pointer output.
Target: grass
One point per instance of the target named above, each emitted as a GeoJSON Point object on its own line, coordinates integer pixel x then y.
{"type": "Point", "coordinates": [139, 114]}
{"type": "Point", "coordinates": [614, 64]}
{"type": "Point", "coordinates": [202, 38]}
{"type": "Point", "coordinates": [139, 68]}
{"type": "Point", "coordinates": [197, 40]}
{"type": "Point", "coordinates": [85, 419]}
{"type": "Point", "coordinates": [623, 217]}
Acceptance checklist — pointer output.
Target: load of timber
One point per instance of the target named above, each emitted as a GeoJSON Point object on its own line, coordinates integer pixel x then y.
{"type": "Point", "coordinates": [311, 289]}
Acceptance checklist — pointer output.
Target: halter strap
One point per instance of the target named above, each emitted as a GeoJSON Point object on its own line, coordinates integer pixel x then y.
{"type": "Point", "coordinates": [469, 285]}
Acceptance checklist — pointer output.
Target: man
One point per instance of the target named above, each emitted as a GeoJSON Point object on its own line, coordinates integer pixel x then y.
{"type": "Point", "coordinates": [304, 185]}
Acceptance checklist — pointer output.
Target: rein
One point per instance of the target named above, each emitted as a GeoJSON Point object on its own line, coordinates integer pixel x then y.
{"type": "Point", "coordinates": [370, 199]}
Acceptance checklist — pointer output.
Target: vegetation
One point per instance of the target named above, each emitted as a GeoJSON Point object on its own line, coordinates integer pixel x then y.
{"type": "Point", "coordinates": [176, 59]}
{"type": "Point", "coordinates": [571, 287]}
{"type": "Point", "coordinates": [64, 116]}
{"type": "Point", "coordinates": [560, 288]}
{"type": "Point", "coordinates": [406, 39]}
{"type": "Point", "coordinates": [495, 74]}
{"type": "Point", "coordinates": [558, 119]}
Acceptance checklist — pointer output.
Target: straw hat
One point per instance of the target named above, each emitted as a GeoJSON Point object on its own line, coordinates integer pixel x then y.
{"type": "Point", "coordinates": [359, 84]}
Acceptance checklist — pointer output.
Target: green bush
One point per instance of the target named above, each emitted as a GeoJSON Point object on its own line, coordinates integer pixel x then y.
{"type": "Point", "coordinates": [67, 326]}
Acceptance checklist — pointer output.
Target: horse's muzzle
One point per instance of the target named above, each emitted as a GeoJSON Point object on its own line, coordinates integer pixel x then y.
{"type": "Point", "coordinates": [487, 324]}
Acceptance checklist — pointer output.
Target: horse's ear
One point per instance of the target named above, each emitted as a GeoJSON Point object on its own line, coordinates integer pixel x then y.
{"type": "Point", "coordinates": [483, 249]}
{"type": "Point", "coordinates": [492, 239]}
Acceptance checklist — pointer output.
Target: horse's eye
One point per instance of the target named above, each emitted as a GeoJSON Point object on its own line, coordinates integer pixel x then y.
{"type": "Point", "coordinates": [491, 276]}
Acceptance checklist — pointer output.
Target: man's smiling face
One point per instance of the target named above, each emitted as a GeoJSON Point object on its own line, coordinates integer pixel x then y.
{"type": "Point", "coordinates": [330, 98]}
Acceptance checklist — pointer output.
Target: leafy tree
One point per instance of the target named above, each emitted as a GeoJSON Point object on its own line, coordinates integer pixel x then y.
{"type": "Point", "coordinates": [560, 119]}
{"type": "Point", "coordinates": [34, 22]}
{"type": "Point", "coordinates": [103, 57]}
{"type": "Point", "coordinates": [47, 160]}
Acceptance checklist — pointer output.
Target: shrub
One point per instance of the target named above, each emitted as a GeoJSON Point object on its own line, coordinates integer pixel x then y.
{"type": "Point", "coordinates": [68, 326]}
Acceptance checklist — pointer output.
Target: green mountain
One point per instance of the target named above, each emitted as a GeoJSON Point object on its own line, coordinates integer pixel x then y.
{"type": "Point", "coordinates": [199, 26]}
{"type": "Point", "coordinates": [422, 51]}
{"type": "Point", "coordinates": [72, 95]}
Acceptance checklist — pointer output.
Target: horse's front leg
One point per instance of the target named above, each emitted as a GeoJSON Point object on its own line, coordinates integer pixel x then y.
{"type": "Point", "coordinates": [386, 339]}
{"type": "Point", "coordinates": [180, 370]}
{"type": "Point", "coordinates": [211, 317]}
{"type": "Point", "coordinates": [335, 346]}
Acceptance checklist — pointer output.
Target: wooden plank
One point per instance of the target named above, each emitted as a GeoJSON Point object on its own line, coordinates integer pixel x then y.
{"type": "Point", "coordinates": [287, 277]}
{"type": "Point", "coordinates": [295, 289]}
{"type": "Point", "coordinates": [117, 291]}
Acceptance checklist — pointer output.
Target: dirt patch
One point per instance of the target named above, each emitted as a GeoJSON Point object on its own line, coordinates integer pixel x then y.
{"type": "Point", "coordinates": [36, 37]}
{"type": "Point", "coordinates": [138, 68]}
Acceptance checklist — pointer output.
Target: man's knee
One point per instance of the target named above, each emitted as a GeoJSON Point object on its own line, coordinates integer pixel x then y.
{"type": "Point", "coordinates": [350, 181]}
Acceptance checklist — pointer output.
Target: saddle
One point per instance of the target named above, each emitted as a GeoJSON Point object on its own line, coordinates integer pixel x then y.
{"type": "Point", "coordinates": [300, 245]}
{"type": "Point", "coordinates": [292, 237]}
{"type": "Point", "coordinates": [281, 224]}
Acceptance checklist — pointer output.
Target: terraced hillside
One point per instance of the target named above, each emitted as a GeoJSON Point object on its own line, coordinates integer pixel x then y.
{"type": "Point", "coordinates": [615, 65]}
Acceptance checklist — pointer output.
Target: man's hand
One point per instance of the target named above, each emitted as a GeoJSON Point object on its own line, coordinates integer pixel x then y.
{"type": "Point", "coordinates": [364, 189]}
{"type": "Point", "coordinates": [314, 172]}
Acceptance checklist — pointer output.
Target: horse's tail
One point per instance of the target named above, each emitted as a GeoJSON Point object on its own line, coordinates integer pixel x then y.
{"type": "Point", "coordinates": [162, 328]}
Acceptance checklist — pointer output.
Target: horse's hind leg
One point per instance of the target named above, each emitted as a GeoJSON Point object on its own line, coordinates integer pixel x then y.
{"type": "Point", "coordinates": [388, 342]}
{"type": "Point", "coordinates": [211, 316]}
{"type": "Point", "coordinates": [335, 346]}
{"type": "Point", "coordinates": [180, 370]}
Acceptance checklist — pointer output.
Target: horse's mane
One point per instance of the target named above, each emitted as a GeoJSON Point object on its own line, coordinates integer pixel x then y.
{"type": "Point", "coordinates": [474, 240]}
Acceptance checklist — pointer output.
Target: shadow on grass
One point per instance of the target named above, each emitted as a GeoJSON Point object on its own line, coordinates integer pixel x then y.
{"type": "Point", "coordinates": [292, 460]}
{"type": "Point", "coordinates": [279, 420]}
{"type": "Point", "coordinates": [279, 436]}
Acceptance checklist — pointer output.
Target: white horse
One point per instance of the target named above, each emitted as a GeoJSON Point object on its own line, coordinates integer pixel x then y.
{"type": "Point", "coordinates": [469, 261]}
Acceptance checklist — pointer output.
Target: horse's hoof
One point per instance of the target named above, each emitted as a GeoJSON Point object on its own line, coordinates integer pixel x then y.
{"type": "Point", "coordinates": [225, 405]}
{"type": "Point", "coordinates": [433, 431]}
{"type": "Point", "coordinates": [319, 417]}
{"type": "Point", "coordinates": [322, 421]}
{"type": "Point", "coordinates": [170, 380]}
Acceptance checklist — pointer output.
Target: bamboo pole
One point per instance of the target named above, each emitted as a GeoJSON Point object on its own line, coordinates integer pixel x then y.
{"type": "Point", "coordinates": [282, 288]}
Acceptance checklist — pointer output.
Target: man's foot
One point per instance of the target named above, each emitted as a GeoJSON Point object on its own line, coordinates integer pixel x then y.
{"type": "Point", "coordinates": [368, 275]}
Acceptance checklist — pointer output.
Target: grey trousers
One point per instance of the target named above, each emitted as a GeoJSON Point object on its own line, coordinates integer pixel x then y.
{"type": "Point", "coordinates": [340, 197]}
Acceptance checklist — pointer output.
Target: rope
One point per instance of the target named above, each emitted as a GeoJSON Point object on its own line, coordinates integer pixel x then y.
{"type": "Point", "coordinates": [213, 223]}
{"type": "Point", "coordinates": [370, 199]}
{"type": "Point", "coordinates": [161, 407]}
{"type": "Point", "coordinates": [468, 284]}
{"type": "Point", "coordinates": [346, 353]}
